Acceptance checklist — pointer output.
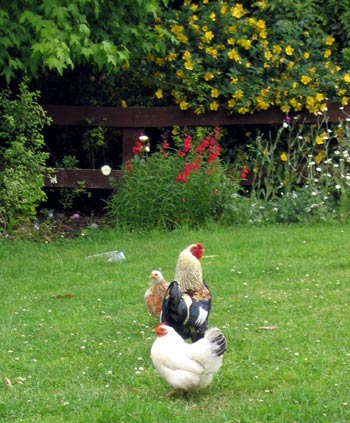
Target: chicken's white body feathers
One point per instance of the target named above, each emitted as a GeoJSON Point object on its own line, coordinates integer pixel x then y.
{"type": "Point", "coordinates": [187, 366]}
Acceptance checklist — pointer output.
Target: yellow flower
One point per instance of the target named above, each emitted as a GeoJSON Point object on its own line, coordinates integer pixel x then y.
{"type": "Point", "coordinates": [246, 44]}
{"type": "Point", "coordinates": [223, 9]}
{"type": "Point", "coordinates": [346, 77]}
{"type": "Point", "coordinates": [171, 57]}
{"type": "Point", "coordinates": [306, 55]}
{"type": "Point", "coordinates": [237, 11]}
{"type": "Point", "coordinates": [289, 50]}
{"type": "Point", "coordinates": [312, 71]}
{"type": "Point", "coordinates": [238, 94]}
{"type": "Point", "coordinates": [327, 53]}
{"type": "Point", "coordinates": [330, 40]}
{"type": "Point", "coordinates": [182, 38]}
{"type": "Point", "coordinates": [305, 79]}
{"type": "Point", "coordinates": [284, 157]}
{"type": "Point", "coordinates": [243, 110]}
{"type": "Point", "coordinates": [265, 92]}
{"type": "Point", "coordinates": [297, 106]}
{"type": "Point", "coordinates": [321, 137]}
{"type": "Point", "coordinates": [320, 156]}
{"type": "Point", "coordinates": [186, 55]}
{"type": "Point", "coordinates": [208, 76]}
{"type": "Point", "coordinates": [231, 41]}
{"type": "Point", "coordinates": [212, 51]}
{"type": "Point", "coordinates": [233, 54]}
{"type": "Point", "coordinates": [159, 93]}
{"type": "Point", "coordinates": [214, 105]}
{"type": "Point", "coordinates": [267, 54]}
{"type": "Point", "coordinates": [277, 49]}
{"type": "Point", "coordinates": [208, 36]}
{"type": "Point", "coordinates": [319, 140]}
{"type": "Point", "coordinates": [179, 74]}
{"type": "Point", "coordinates": [177, 29]}
{"type": "Point", "coordinates": [262, 5]}
{"type": "Point", "coordinates": [260, 24]}
{"type": "Point", "coordinates": [183, 105]}
{"type": "Point", "coordinates": [199, 110]}
{"type": "Point", "coordinates": [214, 93]}
{"type": "Point", "coordinates": [188, 65]}
{"type": "Point", "coordinates": [124, 105]}
{"type": "Point", "coordinates": [344, 101]}
{"type": "Point", "coordinates": [212, 16]}
{"type": "Point", "coordinates": [231, 103]}
{"type": "Point", "coordinates": [319, 97]}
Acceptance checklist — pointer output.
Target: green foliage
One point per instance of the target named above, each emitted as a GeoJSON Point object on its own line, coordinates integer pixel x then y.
{"type": "Point", "coordinates": [184, 186]}
{"type": "Point", "coordinates": [59, 35]}
{"type": "Point", "coordinates": [21, 154]}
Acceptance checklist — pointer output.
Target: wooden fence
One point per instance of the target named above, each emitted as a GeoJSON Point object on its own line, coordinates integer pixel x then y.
{"type": "Point", "coordinates": [134, 120]}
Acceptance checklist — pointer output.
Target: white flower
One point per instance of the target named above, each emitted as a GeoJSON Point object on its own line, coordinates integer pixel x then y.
{"type": "Point", "coordinates": [143, 138]}
{"type": "Point", "coordinates": [285, 124]}
{"type": "Point", "coordinates": [337, 186]}
{"type": "Point", "coordinates": [106, 170]}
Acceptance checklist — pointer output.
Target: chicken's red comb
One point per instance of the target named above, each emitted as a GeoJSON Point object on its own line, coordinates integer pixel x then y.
{"type": "Point", "coordinates": [199, 245]}
{"type": "Point", "coordinates": [159, 325]}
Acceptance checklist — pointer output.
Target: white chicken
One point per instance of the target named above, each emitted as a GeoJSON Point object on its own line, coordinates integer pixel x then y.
{"type": "Point", "coordinates": [187, 367]}
{"type": "Point", "coordinates": [154, 295]}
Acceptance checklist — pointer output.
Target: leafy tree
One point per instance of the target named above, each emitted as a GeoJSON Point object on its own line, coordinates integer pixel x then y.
{"type": "Point", "coordinates": [57, 35]}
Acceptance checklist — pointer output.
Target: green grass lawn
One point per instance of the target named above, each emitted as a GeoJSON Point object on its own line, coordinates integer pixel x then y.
{"type": "Point", "coordinates": [75, 335]}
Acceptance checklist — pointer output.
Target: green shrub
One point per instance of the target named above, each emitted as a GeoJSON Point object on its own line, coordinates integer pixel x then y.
{"type": "Point", "coordinates": [22, 155]}
{"type": "Point", "coordinates": [184, 185]}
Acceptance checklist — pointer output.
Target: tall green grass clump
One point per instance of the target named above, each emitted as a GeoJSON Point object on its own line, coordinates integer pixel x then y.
{"type": "Point", "coordinates": [183, 184]}
{"type": "Point", "coordinates": [300, 172]}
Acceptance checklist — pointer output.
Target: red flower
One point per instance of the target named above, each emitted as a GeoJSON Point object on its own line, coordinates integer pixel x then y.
{"type": "Point", "coordinates": [181, 178]}
{"type": "Point", "coordinates": [128, 166]}
{"type": "Point", "coordinates": [245, 172]}
{"type": "Point", "coordinates": [137, 148]}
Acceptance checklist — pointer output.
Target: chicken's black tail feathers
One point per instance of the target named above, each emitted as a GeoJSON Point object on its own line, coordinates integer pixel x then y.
{"type": "Point", "coordinates": [174, 310]}
{"type": "Point", "coordinates": [216, 337]}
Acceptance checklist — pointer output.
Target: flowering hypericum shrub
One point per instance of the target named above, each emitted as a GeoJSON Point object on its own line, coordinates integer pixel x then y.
{"type": "Point", "coordinates": [182, 184]}
{"type": "Point", "coordinates": [249, 58]}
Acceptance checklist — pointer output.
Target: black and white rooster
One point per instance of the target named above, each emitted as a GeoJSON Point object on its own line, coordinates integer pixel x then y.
{"type": "Point", "coordinates": [187, 301]}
